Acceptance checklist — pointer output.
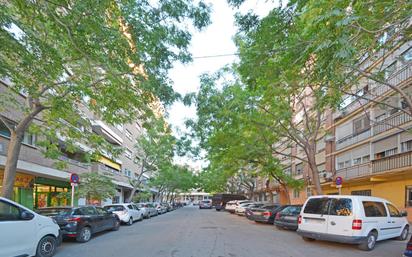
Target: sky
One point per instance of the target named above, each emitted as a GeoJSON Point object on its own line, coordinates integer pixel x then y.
{"type": "Point", "coordinates": [216, 39]}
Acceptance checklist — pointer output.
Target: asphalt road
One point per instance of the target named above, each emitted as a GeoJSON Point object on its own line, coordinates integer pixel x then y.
{"type": "Point", "coordinates": [190, 232]}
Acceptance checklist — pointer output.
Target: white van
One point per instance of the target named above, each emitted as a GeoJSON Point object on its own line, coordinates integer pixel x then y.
{"type": "Point", "coordinates": [26, 233]}
{"type": "Point", "coordinates": [361, 220]}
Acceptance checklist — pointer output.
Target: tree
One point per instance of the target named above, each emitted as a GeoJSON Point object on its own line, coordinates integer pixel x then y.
{"type": "Point", "coordinates": [94, 186]}
{"type": "Point", "coordinates": [237, 134]}
{"type": "Point", "coordinates": [155, 150]}
{"type": "Point", "coordinates": [111, 57]}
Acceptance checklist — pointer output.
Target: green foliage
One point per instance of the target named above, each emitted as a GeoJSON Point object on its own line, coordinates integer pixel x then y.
{"type": "Point", "coordinates": [111, 57]}
{"type": "Point", "coordinates": [95, 186]}
{"type": "Point", "coordinates": [143, 196]}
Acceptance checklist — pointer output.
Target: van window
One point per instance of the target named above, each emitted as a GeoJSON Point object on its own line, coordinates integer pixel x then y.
{"type": "Point", "coordinates": [393, 211]}
{"type": "Point", "coordinates": [317, 206]}
{"type": "Point", "coordinates": [374, 209]}
{"type": "Point", "coordinates": [340, 207]}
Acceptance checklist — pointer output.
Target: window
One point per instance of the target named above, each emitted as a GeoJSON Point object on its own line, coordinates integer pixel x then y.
{"type": "Point", "coordinates": [341, 165]}
{"type": "Point", "coordinates": [29, 139]}
{"type": "Point", "coordinates": [128, 134]}
{"type": "Point", "coordinates": [288, 171]}
{"type": "Point", "coordinates": [292, 210]}
{"type": "Point", "coordinates": [317, 206]}
{"type": "Point", "coordinates": [340, 207]}
{"type": "Point", "coordinates": [393, 211]}
{"type": "Point", "coordinates": [406, 146]}
{"type": "Point", "coordinates": [88, 211]}
{"type": "Point", "coordinates": [127, 172]}
{"type": "Point", "coordinates": [362, 192]}
{"type": "Point", "coordinates": [357, 161]}
{"type": "Point", "coordinates": [406, 56]}
{"type": "Point", "coordinates": [347, 163]}
{"type": "Point", "coordinates": [4, 131]}
{"type": "Point", "coordinates": [296, 193]}
{"type": "Point", "coordinates": [299, 169]}
{"type": "Point", "coordinates": [9, 212]}
{"type": "Point", "coordinates": [409, 196]}
{"type": "Point", "coordinates": [101, 211]}
{"type": "Point", "coordinates": [374, 209]}
{"type": "Point", "coordinates": [130, 207]}
{"type": "Point", "coordinates": [365, 159]}
{"type": "Point", "coordinates": [128, 153]}
{"type": "Point", "coordinates": [386, 153]}
{"type": "Point", "coordinates": [390, 69]}
{"type": "Point", "coordinates": [361, 124]}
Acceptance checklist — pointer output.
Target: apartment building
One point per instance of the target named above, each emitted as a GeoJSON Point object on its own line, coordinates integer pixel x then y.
{"type": "Point", "coordinates": [40, 184]}
{"type": "Point", "coordinates": [373, 138]}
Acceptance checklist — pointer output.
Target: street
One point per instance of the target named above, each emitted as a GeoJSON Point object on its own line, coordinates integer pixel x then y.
{"type": "Point", "coordinates": [190, 232]}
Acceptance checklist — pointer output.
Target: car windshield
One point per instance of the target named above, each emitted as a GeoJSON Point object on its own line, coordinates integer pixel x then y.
{"type": "Point", "coordinates": [206, 201]}
{"type": "Point", "coordinates": [55, 211]}
{"type": "Point", "coordinates": [114, 208]}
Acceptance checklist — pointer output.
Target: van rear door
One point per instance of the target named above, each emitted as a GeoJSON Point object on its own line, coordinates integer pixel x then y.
{"type": "Point", "coordinates": [340, 217]}
{"type": "Point", "coordinates": [314, 215]}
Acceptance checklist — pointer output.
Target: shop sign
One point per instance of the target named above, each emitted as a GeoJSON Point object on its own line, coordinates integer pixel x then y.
{"type": "Point", "coordinates": [21, 180]}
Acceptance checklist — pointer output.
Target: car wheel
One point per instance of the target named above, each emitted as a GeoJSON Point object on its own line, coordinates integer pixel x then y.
{"type": "Point", "coordinates": [84, 235]}
{"type": "Point", "coordinates": [130, 222]}
{"type": "Point", "coordinates": [404, 234]}
{"type": "Point", "coordinates": [369, 242]}
{"type": "Point", "coordinates": [46, 247]}
{"type": "Point", "coordinates": [307, 239]}
{"type": "Point", "coordinates": [116, 225]}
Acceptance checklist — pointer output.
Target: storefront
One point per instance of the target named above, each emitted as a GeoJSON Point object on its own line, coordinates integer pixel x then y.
{"type": "Point", "coordinates": [23, 188]}
{"type": "Point", "coordinates": [50, 192]}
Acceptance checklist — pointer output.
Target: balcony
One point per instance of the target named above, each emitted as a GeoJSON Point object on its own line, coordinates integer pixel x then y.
{"type": "Point", "coordinates": [352, 139]}
{"type": "Point", "coordinates": [102, 129]}
{"type": "Point", "coordinates": [355, 103]}
{"type": "Point", "coordinates": [392, 121]}
{"type": "Point", "coordinates": [354, 171]}
{"type": "Point", "coordinates": [398, 161]}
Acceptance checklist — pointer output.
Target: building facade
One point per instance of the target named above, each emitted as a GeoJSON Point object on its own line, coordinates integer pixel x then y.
{"type": "Point", "coordinates": [39, 183]}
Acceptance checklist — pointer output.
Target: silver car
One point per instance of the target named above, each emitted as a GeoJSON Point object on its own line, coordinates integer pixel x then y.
{"type": "Point", "coordinates": [148, 209]}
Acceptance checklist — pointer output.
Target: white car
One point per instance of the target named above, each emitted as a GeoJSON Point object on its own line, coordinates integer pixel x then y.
{"type": "Point", "coordinates": [127, 212]}
{"type": "Point", "coordinates": [361, 220]}
{"type": "Point", "coordinates": [231, 205]}
{"type": "Point", "coordinates": [26, 233]}
{"type": "Point", "coordinates": [241, 208]}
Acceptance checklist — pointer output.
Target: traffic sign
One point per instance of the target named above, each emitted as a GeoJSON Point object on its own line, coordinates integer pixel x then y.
{"type": "Point", "coordinates": [339, 181]}
{"type": "Point", "coordinates": [74, 178]}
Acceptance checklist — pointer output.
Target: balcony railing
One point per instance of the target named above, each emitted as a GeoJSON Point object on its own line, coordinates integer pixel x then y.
{"type": "Point", "coordinates": [392, 121]}
{"type": "Point", "coordinates": [395, 79]}
{"type": "Point", "coordinates": [354, 171]}
{"type": "Point", "coordinates": [397, 161]}
{"type": "Point", "coordinates": [74, 162]}
{"type": "Point", "coordinates": [352, 139]}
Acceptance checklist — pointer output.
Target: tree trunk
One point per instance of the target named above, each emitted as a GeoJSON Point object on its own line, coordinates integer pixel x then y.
{"type": "Point", "coordinates": [314, 172]}
{"type": "Point", "coordinates": [10, 169]}
{"type": "Point", "coordinates": [285, 187]}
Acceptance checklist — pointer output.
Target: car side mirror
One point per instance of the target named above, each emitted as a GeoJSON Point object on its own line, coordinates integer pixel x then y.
{"type": "Point", "coordinates": [25, 215]}
{"type": "Point", "coordinates": [404, 213]}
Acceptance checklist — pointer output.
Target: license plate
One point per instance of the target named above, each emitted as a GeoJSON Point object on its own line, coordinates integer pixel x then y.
{"type": "Point", "coordinates": [289, 218]}
{"type": "Point", "coordinates": [257, 213]}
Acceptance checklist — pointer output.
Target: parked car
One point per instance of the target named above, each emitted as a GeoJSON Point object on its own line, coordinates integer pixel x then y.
{"type": "Point", "coordinates": [408, 251]}
{"type": "Point", "coordinates": [231, 205]}
{"type": "Point", "coordinates": [26, 233]}
{"type": "Point", "coordinates": [361, 220]}
{"type": "Point", "coordinates": [82, 222]}
{"type": "Point", "coordinates": [288, 217]}
{"type": "Point", "coordinates": [205, 204]}
{"type": "Point", "coordinates": [148, 209]}
{"type": "Point", "coordinates": [219, 201]}
{"type": "Point", "coordinates": [265, 213]}
{"type": "Point", "coordinates": [241, 208]}
{"type": "Point", "coordinates": [160, 208]}
{"type": "Point", "coordinates": [168, 206]}
{"type": "Point", "coordinates": [127, 212]}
